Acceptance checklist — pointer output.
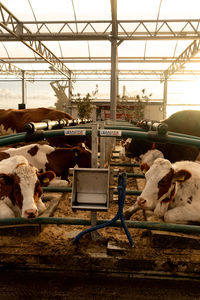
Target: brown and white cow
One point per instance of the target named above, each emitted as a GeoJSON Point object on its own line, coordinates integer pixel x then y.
{"type": "Point", "coordinates": [178, 122]}
{"type": "Point", "coordinates": [58, 160]}
{"type": "Point", "coordinates": [147, 159]}
{"type": "Point", "coordinates": [20, 188]}
{"type": "Point", "coordinates": [13, 121]}
{"type": "Point", "coordinates": [124, 143]}
{"type": "Point", "coordinates": [172, 191]}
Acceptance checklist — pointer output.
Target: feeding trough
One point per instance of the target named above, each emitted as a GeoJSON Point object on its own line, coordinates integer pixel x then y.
{"type": "Point", "coordinates": [90, 189]}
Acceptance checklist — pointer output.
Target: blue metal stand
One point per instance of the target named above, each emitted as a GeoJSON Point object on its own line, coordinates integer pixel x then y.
{"type": "Point", "coordinates": [121, 198]}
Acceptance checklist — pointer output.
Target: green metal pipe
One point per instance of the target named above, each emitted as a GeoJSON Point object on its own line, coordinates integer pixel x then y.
{"type": "Point", "coordinates": [123, 127]}
{"type": "Point", "coordinates": [132, 175]}
{"type": "Point", "coordinates": [124, 164]}
{"type": "Point", "coordinates": [84, 222]}
{"type": "Point", "coordinates": [12, 139]}
{"type": "Point", "coordinates": [170, 133]}
{"type": "Point", "coordinates": [61, 189]}
{"type": "Point", "coordinates": [185, 140]}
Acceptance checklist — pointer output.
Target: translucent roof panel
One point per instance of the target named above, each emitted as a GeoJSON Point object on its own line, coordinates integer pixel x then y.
{"type": "Point", "coordinates": [16, 49]}
{"type": "Point", "coordinates": [89, 54]}
{"type": "Point", "coordinates": [137, 10]}
{"type": "Point", "coordinates": [180, 9]}
{"type": "Point", "coordinates": [149, 9]}
{"type": "Point", "coordinates": [59, 10]}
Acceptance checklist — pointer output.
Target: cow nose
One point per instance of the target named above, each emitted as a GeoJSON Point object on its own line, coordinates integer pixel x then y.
{"type": "Point", "coordinates": [30, 213]}
{"type": "Point", "coordinates": [141, 201]}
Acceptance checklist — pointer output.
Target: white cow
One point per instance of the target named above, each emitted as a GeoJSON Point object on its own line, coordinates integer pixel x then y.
{"type": "Point", "coordinates": [172, 191]}
{"type": "Point", "coordinates": [124, 143]}
{"type": "Point", "coordinates": [147, 159]}
{"type": "Point", "coordinates": [20, 188]}
{"type": "Point", "coordinates": [59, 160]}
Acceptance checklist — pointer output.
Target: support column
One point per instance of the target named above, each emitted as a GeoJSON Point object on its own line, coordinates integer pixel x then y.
{"type": "Point", "coordinates": [70, 95]}
{"type": "Point", "coordinates": [114, 80]}
{"type": "Point", "coordinates": [165, 98]}
{"type": "Point", "coordinates": [24, 92]}
{"type": "Point", "coordinates": [94, 164]}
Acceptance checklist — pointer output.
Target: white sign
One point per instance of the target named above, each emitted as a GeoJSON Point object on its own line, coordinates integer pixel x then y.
{"type": "Point", "coordinates": [108, 132]}
{"type": "Point", "coordinates": [75, 132]}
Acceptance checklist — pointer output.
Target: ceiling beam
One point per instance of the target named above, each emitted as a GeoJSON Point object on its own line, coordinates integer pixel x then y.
{"type": "Point", "coordinates": [102, 30]}
{"type": "Point", "coordinates": [15, 28]}
{"type": "Point", "coordinates": [9, 68]}
{"type": "Point", "coordinates": [147, 59]}
{"type": "Point", "coordinates": [185, 57]}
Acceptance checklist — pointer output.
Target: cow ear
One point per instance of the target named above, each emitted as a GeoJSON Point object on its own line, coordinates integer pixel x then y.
{"type": "Point", "coordinates": [46, 177]}
{"type": "Point", "coordinates": [76, 153]}
{"type": "Point", "coordinates": [181, 175]}
{"type": "Point", "coordinates": [144, 168]}
{"type": "Point", "coordinates": [6, 179]}
{"type": "Point", "coordinates": [153, 147]}
{"type": "Point", "coordinates": [6, 185]}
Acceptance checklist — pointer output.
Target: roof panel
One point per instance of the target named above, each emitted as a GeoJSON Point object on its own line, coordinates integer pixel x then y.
{"type": "Point", "coordinates": [71, 10]}
{"type": "Point", "coordinates": [180, 9]}
{"type": "Point", "coordinates": [92, 9]}
{"type": "Point", "coordinates": [18, 49]}
{"type": "Point", "coordinates": [137, 10]}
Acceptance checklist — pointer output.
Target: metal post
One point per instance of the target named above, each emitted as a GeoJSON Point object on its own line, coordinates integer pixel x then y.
{"type": "Point", "coordinates": [94, 164]}
{"type": "Point", "coordinates": [114, 61]}
{"type": "Point", "coordinates": [70, 95]}
{"type": "Point", "coordinates": [102, 148]}
{"type": "Point", "coordinates": [114, 77]}
{"type": "Point", "coordinates": [24, 91]}
{"type": "Point", "coordinates": [165, 98]}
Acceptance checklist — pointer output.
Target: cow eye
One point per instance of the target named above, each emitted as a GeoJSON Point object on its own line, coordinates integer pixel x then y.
{"type": "Point", "coordinates": [164, 181]}
{"type": "Point", "coordinates": [17, 189]}
{"type": "Point", "coordinates": [38, 188]}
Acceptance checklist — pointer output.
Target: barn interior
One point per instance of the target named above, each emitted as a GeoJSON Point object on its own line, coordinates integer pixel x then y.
{"type": "Point", "coordinates": [134, 60]}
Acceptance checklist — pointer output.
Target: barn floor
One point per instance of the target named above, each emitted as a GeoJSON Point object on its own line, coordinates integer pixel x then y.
{"type": "Point", "coordinates": [155, 255]}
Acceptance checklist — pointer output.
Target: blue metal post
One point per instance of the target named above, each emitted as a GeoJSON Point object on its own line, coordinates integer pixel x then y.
{"type": "Point", "coordinates": [119, 215]}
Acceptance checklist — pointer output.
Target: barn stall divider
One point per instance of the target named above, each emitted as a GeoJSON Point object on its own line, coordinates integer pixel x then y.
{"type": "Point", "coordinates": [106, 131]}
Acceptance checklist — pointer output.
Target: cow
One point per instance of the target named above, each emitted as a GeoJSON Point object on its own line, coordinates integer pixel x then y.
{"type": "Point", "coordinates": [173, 152]}
{"type": "Point", "coordinates": [172, 191]}
{"type": "Point", "coordinates": [147, 159]}
{"type": "Point", "coordinates": [13, 120]}
{"type": "Point", "coordinates": [124, 143]}
{"type": "Point", "coordinates": [185, 122]}
{"type": "Point", "coordinates": [58, 160]}
{"type": "Point", "coordinates": [20, 188]}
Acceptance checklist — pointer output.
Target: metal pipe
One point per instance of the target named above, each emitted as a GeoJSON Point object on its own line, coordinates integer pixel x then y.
{"type": "Point", "coordinates": [131, 224]}
{"type": "Point", "coordinates": [125, 164]}
{"type": "Point", "coordinates": [185, 140]}
{"type": "Point", "coordinates": [62, 189]}
{"type": "Point", "coordinates": [129, 128]}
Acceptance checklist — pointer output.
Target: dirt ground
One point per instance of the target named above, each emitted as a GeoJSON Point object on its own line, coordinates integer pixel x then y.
{"type": "Point", "coordinates": [111, 255]}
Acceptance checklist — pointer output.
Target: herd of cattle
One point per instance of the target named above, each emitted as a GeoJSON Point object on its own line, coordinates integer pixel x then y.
{"type": "Point", "coordinates": [25, 169]}
{"type": "Point", "coordinates": [172, 172]}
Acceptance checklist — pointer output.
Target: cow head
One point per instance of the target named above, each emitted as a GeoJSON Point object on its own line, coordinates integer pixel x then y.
{"type": "Point", "coordinates": [137, 147]}
{"type": "Point", "coordinates": [82, 156]}
{"type": "Point", "coordinates": [160, 184]}
{"type": "Point", "coordinates": [147, 159]}
{"type": "Point", "coordinates": [23, 188]}
{"type": "Point", "coordinates": [124, 143]}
